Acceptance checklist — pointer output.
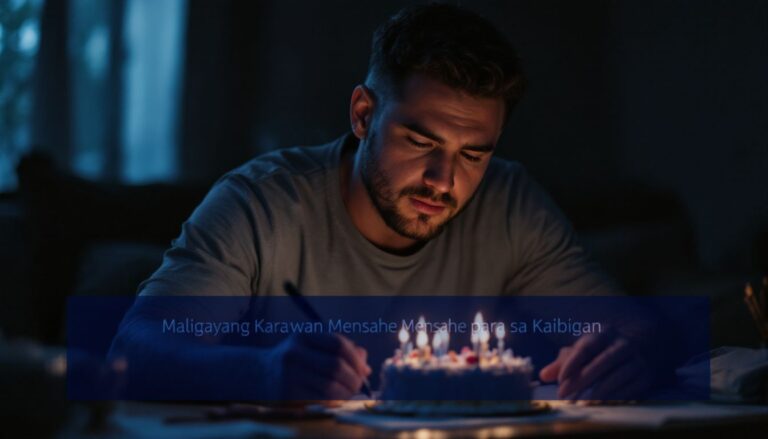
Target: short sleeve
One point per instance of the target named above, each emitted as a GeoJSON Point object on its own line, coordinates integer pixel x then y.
{"type": "Point", "coordinates": [215, 254]}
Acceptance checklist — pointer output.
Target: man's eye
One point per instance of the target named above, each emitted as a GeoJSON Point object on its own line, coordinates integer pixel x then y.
{"type": "Point", "coordinates": [471, 157]}
{"type": "Point", "coordinates": [419, 144]}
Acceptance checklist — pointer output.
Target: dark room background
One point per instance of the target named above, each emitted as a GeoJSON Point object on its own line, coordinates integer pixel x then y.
{"type": "Point", "coordinates": [646, 121]}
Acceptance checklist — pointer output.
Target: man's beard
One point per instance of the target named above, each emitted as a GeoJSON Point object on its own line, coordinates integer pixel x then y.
{"type": "Point", "coordinates": [379, 187]}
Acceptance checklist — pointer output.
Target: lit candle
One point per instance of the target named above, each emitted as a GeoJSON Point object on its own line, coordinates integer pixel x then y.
{"type": "Point", "coordinates": [477, 329]}
{"type": "Point", "coordinates": [403, 336]}
{"type": "Point", "coordinates": [422, 339]}
{"type": "Point", "coordinates": [446, 338]}
{"type": "Point", "coordinates": [485, 335]}
{"type": "Point", "coordinates": [440, 342]}
{"type": "Point", "coordinates": [437, 344]}
{"type": "Point", "coordinates": [500, 334]}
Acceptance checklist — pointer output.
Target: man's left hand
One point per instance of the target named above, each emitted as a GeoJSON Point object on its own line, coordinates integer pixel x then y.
{"type": "Point", "coordinates": [610, 364]}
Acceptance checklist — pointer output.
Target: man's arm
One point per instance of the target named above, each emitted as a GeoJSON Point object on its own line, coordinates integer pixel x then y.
{"type": "Point", "coordinates": [616, 364]}
{"type": "Point", "coordinates": [216, 255]}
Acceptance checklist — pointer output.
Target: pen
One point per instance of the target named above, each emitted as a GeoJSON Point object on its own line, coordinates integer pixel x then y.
{"type": "Point", "coordinates": [301, 302]}
{"type": "Point", "coordinates": [306, 308]}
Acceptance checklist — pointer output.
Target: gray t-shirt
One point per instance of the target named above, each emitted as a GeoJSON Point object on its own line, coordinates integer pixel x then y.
{"type": "Point", "coordinates": [280, 218]}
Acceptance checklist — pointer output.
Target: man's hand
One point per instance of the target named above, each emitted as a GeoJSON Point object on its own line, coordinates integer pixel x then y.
{"type": "Point", "coordinates": [317, 366]}
{"type": "Point", "coordinates": [612, 366]}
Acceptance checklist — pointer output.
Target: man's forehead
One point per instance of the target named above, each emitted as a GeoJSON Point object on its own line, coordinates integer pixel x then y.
{"type": "Point", "coordinates": [430, 104]}
{"type": "Point", "coordinates": [423, 86]}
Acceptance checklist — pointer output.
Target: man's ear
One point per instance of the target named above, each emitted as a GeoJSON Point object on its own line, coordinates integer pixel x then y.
{"type": "Point", "coordinates": [361, 110]}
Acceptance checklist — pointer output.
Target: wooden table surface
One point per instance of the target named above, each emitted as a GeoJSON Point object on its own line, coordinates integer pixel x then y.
{"type": "Point", "coordinates": [743, 426]}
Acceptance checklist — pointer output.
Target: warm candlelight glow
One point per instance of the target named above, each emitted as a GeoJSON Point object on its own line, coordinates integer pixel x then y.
{"type": "Point", "coordinates": [437, 342]}
{"type": "Point", "coordinates": [403, 336]}
{"type": "Point", "coordinates": [421, 339]}
{"type": "Point", "coordinates": [477, 327]}
{"type": "Point", "coordinates": [500, 331]}
{"type": "Point", "coordinates": [442, 335]}
{"type": "Point", "coordinates": [485, 335]}
{"type": "Point", "coordinates": [430, 366]}
{"type": "Point", "coordinates": [482, 331]}
{"type": "Point", "coordinates": [421, 336]}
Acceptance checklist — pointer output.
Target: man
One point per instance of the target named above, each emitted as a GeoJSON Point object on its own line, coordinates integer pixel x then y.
{"type": "Point", "coordinates": [411, 202]}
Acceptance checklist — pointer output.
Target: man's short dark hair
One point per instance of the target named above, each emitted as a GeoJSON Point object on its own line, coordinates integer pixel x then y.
{"type": "Point", "coordinates": [446, 43]}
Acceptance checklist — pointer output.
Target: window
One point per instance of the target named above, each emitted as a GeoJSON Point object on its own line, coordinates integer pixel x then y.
{"type": "Point", "coordinates": [123, 60]}
{"type": "Point", "coordinates": [19, 38]}
{"type": "Point", "coordinates": [154, 35]}
{"type": "Point", "coordinates": [126, 81]}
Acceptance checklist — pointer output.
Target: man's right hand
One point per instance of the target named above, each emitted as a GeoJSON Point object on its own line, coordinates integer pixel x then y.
{"type": "Point", "coordinates": [316, 367]}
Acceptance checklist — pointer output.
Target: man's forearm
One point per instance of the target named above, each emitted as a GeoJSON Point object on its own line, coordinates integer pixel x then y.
{"type": "Point", "coordinates": [159, 367]}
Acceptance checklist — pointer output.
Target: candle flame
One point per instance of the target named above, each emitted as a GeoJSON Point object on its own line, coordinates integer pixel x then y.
{"type": "Point", "coordinates": [403, 335]}
{"type": "Point", "coordinates": [477, 327]}
{"type": "Point", "coordinates": [421, 334]}
{"type": "Point", "coordinates": [500, 331]}
{"type": "Point", "coordinates": [421, 339]}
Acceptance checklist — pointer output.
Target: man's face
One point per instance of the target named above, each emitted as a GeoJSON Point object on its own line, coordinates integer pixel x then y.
{"type": "Point", "coordinates": [425, 154]}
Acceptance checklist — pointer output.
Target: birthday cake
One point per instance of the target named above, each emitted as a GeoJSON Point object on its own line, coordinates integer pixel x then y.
{"type": "Point", "coordinates": [442, 378]}
{"type": "Point", "coordinates": [458, 377]}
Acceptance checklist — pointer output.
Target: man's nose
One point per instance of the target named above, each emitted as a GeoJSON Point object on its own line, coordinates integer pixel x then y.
{"type": "Point", "coordinates": [439, 172]}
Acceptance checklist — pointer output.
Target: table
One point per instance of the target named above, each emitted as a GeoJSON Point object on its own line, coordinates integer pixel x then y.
{"type": "Point", "coordinates": [146, 419]}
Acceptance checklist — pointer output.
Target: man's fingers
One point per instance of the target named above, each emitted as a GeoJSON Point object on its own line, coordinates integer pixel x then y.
{"type": "Point", "coordinates": [351, 353]}
{"type": "Point", "coordinates": [331, 368]}
{"type": "Point", "coordinates": [549, 372]}
{"type": "Point", "coordinates": [339, 345]}
{"type": "Point", "coordinates": [361, 352]}
{"type": "Point", "coordinates": [320, 367]}
{"type": "Point", "coordinates": [585, 348]}
{"type": "Point", "coordinates": [615, 354]}
{"type": "Point", "coordinates": [348, 376]}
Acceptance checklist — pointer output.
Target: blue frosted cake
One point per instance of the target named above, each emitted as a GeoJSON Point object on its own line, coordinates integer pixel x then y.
{"type": "Point", "coordinates": [457, 377]}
